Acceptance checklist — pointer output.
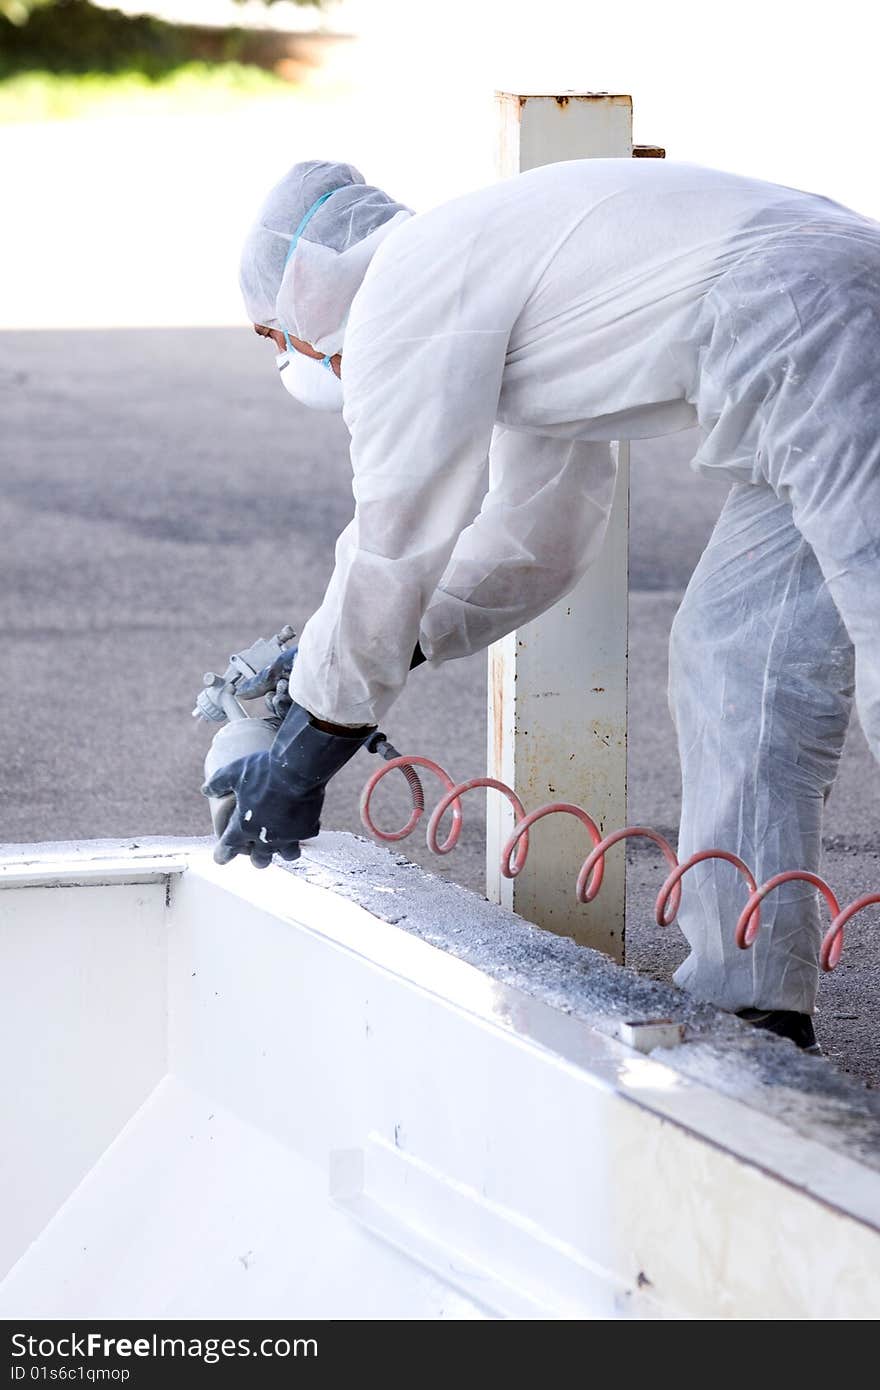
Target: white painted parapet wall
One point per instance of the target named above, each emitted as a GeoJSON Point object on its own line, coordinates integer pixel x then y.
{"type": "Point", "coordinates": [350, 1090]}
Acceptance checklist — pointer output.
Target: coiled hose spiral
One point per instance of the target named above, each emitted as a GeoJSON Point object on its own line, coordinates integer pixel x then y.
{"type": "Point", "coordinates": [589, 881]}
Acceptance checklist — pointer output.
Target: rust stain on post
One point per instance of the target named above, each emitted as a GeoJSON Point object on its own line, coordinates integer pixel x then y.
{"type": "Point", "coordinates": [562, 97]}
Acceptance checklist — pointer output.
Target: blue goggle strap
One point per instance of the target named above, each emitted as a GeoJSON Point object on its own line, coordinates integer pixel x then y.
{"type": "Point", "coordinates": [305, 222]}
{"type": "Point", "coordinates": [292, 247]}
{"type": "Point", "coordinates": [325, 361]}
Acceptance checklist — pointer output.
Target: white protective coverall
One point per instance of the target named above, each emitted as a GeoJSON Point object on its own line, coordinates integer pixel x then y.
{"type": "Point", "coordinates": [602, 299]}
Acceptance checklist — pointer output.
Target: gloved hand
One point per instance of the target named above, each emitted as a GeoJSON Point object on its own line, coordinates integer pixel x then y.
{"type": "Point", "coordinates": [279, 794]}
{"type": "Point", "coordinates": [272, 682]}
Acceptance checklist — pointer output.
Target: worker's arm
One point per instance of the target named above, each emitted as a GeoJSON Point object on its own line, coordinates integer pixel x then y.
{"type": "Point", "coordinates": [540, 527]}
{"type": "Point", "coordinates": [422, 369]}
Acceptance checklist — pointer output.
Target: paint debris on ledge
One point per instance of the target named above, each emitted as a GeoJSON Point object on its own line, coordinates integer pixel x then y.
{"type": "Point", "coordinates": [755, 1068]}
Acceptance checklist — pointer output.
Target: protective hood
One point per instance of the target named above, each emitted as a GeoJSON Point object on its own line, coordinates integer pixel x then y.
{"type": "Point", "coordinates": [305, 257]}
{"type": "Point", "coordinates": [320, 283]}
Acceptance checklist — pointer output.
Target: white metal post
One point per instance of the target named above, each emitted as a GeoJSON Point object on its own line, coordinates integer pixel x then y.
{"type": "Point", "coordinates": [557, 688]}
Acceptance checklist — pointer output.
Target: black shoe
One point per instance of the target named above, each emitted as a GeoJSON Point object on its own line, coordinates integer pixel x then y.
{"type": "Point", "coordinates": [798, 1028]}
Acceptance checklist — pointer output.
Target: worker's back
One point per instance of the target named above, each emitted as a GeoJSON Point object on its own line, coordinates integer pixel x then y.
{"type": "Point", "coordinates": [601, 267]}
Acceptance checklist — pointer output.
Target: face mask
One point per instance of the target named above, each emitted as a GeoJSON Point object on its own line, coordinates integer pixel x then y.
{"type": "Point", "coordinates": [310, 381]}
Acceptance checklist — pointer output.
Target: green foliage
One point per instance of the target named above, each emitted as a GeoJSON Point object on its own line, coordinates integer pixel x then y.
{"type": "Point", "coordinates": [20, 11]}
{"type": "Point", "coordinates": [61, 58]}
{"type": "Point", "coordinates": [314, 4]}
{"type": "Point", "coordinates": [75, 36]}
{"type": "Point", "coordinates": [192, 87]}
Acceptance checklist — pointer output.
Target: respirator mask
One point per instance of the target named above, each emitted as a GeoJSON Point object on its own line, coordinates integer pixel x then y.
{"type": "Point", "coordinates": [310, 380]}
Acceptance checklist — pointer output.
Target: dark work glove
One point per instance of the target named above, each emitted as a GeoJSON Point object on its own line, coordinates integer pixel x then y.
{"type": "Point", "coordinates": [271, 682]}
{"type": "Point", "coordinates": [279, 794]}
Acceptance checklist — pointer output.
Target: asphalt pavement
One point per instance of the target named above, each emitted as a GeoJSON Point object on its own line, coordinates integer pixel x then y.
{"type": "Point", "coordinates": [163, 502]}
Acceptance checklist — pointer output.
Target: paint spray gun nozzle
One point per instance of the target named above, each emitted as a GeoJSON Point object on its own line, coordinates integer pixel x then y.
{"type": "Point", "coordinates": [219, 699]}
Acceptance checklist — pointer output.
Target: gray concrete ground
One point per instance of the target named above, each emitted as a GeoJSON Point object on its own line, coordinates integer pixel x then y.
{"type": "Point", "coordinates": [163, 502]}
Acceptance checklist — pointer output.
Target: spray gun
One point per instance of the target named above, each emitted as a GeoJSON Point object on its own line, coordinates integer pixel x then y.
{"type": "Point", "coordinates": [241, 733]}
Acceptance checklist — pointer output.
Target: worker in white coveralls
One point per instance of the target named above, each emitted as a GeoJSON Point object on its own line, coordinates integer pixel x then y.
{"type": "Point", "coordinates": [539, 319]}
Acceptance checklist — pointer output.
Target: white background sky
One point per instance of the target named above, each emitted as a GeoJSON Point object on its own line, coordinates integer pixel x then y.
{"type": "Point", "coordinates": [139, 220]}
